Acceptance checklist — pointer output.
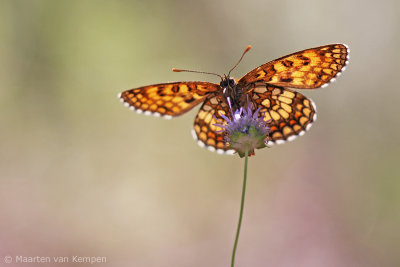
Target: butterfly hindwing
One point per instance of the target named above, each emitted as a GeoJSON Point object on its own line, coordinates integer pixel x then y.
{"type": "Point", "coordinates": [307, 69]}
{"type": "Point", "coordinates": [205, 130]}
{"type": "Point", "coordinates": [167, 99]}
{"type": "Point", "coordinates": [289, 113]}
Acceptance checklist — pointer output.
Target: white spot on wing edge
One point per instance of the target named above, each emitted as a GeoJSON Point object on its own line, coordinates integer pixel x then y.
{"type": "Point", "coordinates": [220, 151]}
{"type": "Point", "coordinates": [211, 148]}
{"type": "Point", "coordinates": [230, 152]}
{"type": "Point", "coordinates": [194, 134]}
{"type": "Point", "coordinates": [201, 144]}
{"type": "Point", "coordinates": [313, 104]}
{"type": "Point", "coordinates": [168, 117]}
{"type": "Point", "coordinates": [280, 141]}
{"type": "Point", "coordinates": [269, 143]}
{"type": "Point", "coordinates": [291, 138]}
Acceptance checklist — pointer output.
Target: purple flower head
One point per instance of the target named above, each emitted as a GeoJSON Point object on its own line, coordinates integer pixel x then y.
{"type": "Point", "coordinates": [245, 130]}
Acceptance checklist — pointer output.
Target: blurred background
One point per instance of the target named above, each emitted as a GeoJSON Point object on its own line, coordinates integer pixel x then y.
{"type": "Point", "coordinates": [80, 174]}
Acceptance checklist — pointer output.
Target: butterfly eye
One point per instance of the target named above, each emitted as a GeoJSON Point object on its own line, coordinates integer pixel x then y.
{"type": "Point", "coordinates": [224, 84]}
{"type": "Point", "coordinates": [231, 82]}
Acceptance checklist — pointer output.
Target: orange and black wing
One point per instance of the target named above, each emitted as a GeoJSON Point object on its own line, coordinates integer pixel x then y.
{"type": "Point", "coordinates": [167, 99]}
{"type": "Point", "coordinates": [289, 113]}
{"type": "Point", "coordinates": [307, 69]}
{"type": "Point", "coordinates": [205, 131]}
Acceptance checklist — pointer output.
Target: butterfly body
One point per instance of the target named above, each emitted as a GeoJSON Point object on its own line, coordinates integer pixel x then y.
{"type": "Point", "coordinates": [230, 89]}
{"type": "Point", "coordinates": [288, 113]}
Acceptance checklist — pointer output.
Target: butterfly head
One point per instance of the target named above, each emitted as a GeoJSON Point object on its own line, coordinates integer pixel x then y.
{"type": "Point", "coordinates": [227, 82]}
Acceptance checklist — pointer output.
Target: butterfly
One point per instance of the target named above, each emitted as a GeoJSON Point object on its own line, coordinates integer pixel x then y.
{"type": "Point", "coordinates": [269, 87]}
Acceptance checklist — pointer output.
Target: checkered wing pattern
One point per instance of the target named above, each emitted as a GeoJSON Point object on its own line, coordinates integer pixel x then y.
{"type": "Point", "coordinates": [167, 99]}
{"type": "Point", "coordinates": [289, 113]}
{"type": "Point", "coordinates": [307, 69]}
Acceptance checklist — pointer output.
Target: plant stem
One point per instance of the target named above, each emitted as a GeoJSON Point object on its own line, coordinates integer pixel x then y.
{"type": "Point", "coordinates": [241, 208]}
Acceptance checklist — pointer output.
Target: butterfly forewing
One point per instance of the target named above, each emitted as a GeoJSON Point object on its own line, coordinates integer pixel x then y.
{"type": "Point", "coordinates": [167, 99]}
{"type": "Point", "coordinates": [307, 69]}
{"type": "Point", "coordinates": [289, 113]}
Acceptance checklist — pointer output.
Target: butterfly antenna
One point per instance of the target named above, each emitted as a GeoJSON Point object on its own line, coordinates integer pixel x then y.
{"type": "Point", "coordinates": [195, 71]}
{"type": "Point", "coordinates": [245, 51]}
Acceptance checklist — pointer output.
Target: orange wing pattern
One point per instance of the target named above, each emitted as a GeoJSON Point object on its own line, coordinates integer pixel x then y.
{"type": "Point", "coordinates": [290, 113]}
{"type": "Point", "coordinates": [167, 99]}
{"type": "Point", "coordinates": [205, 131]}
{"type": "Point", "coordinates": [307, 69]}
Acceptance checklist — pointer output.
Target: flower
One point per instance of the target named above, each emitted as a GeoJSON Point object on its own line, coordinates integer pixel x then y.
{"type": "Point", "coordinates": [246, 130]}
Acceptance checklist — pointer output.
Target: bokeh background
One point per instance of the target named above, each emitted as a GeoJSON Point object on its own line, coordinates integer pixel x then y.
{"type": "Point", "coordinates": [83, 175]}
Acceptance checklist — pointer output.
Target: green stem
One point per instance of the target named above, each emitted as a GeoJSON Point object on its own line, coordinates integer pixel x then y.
{"type": "Point", "coordinates": [241, 208]}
